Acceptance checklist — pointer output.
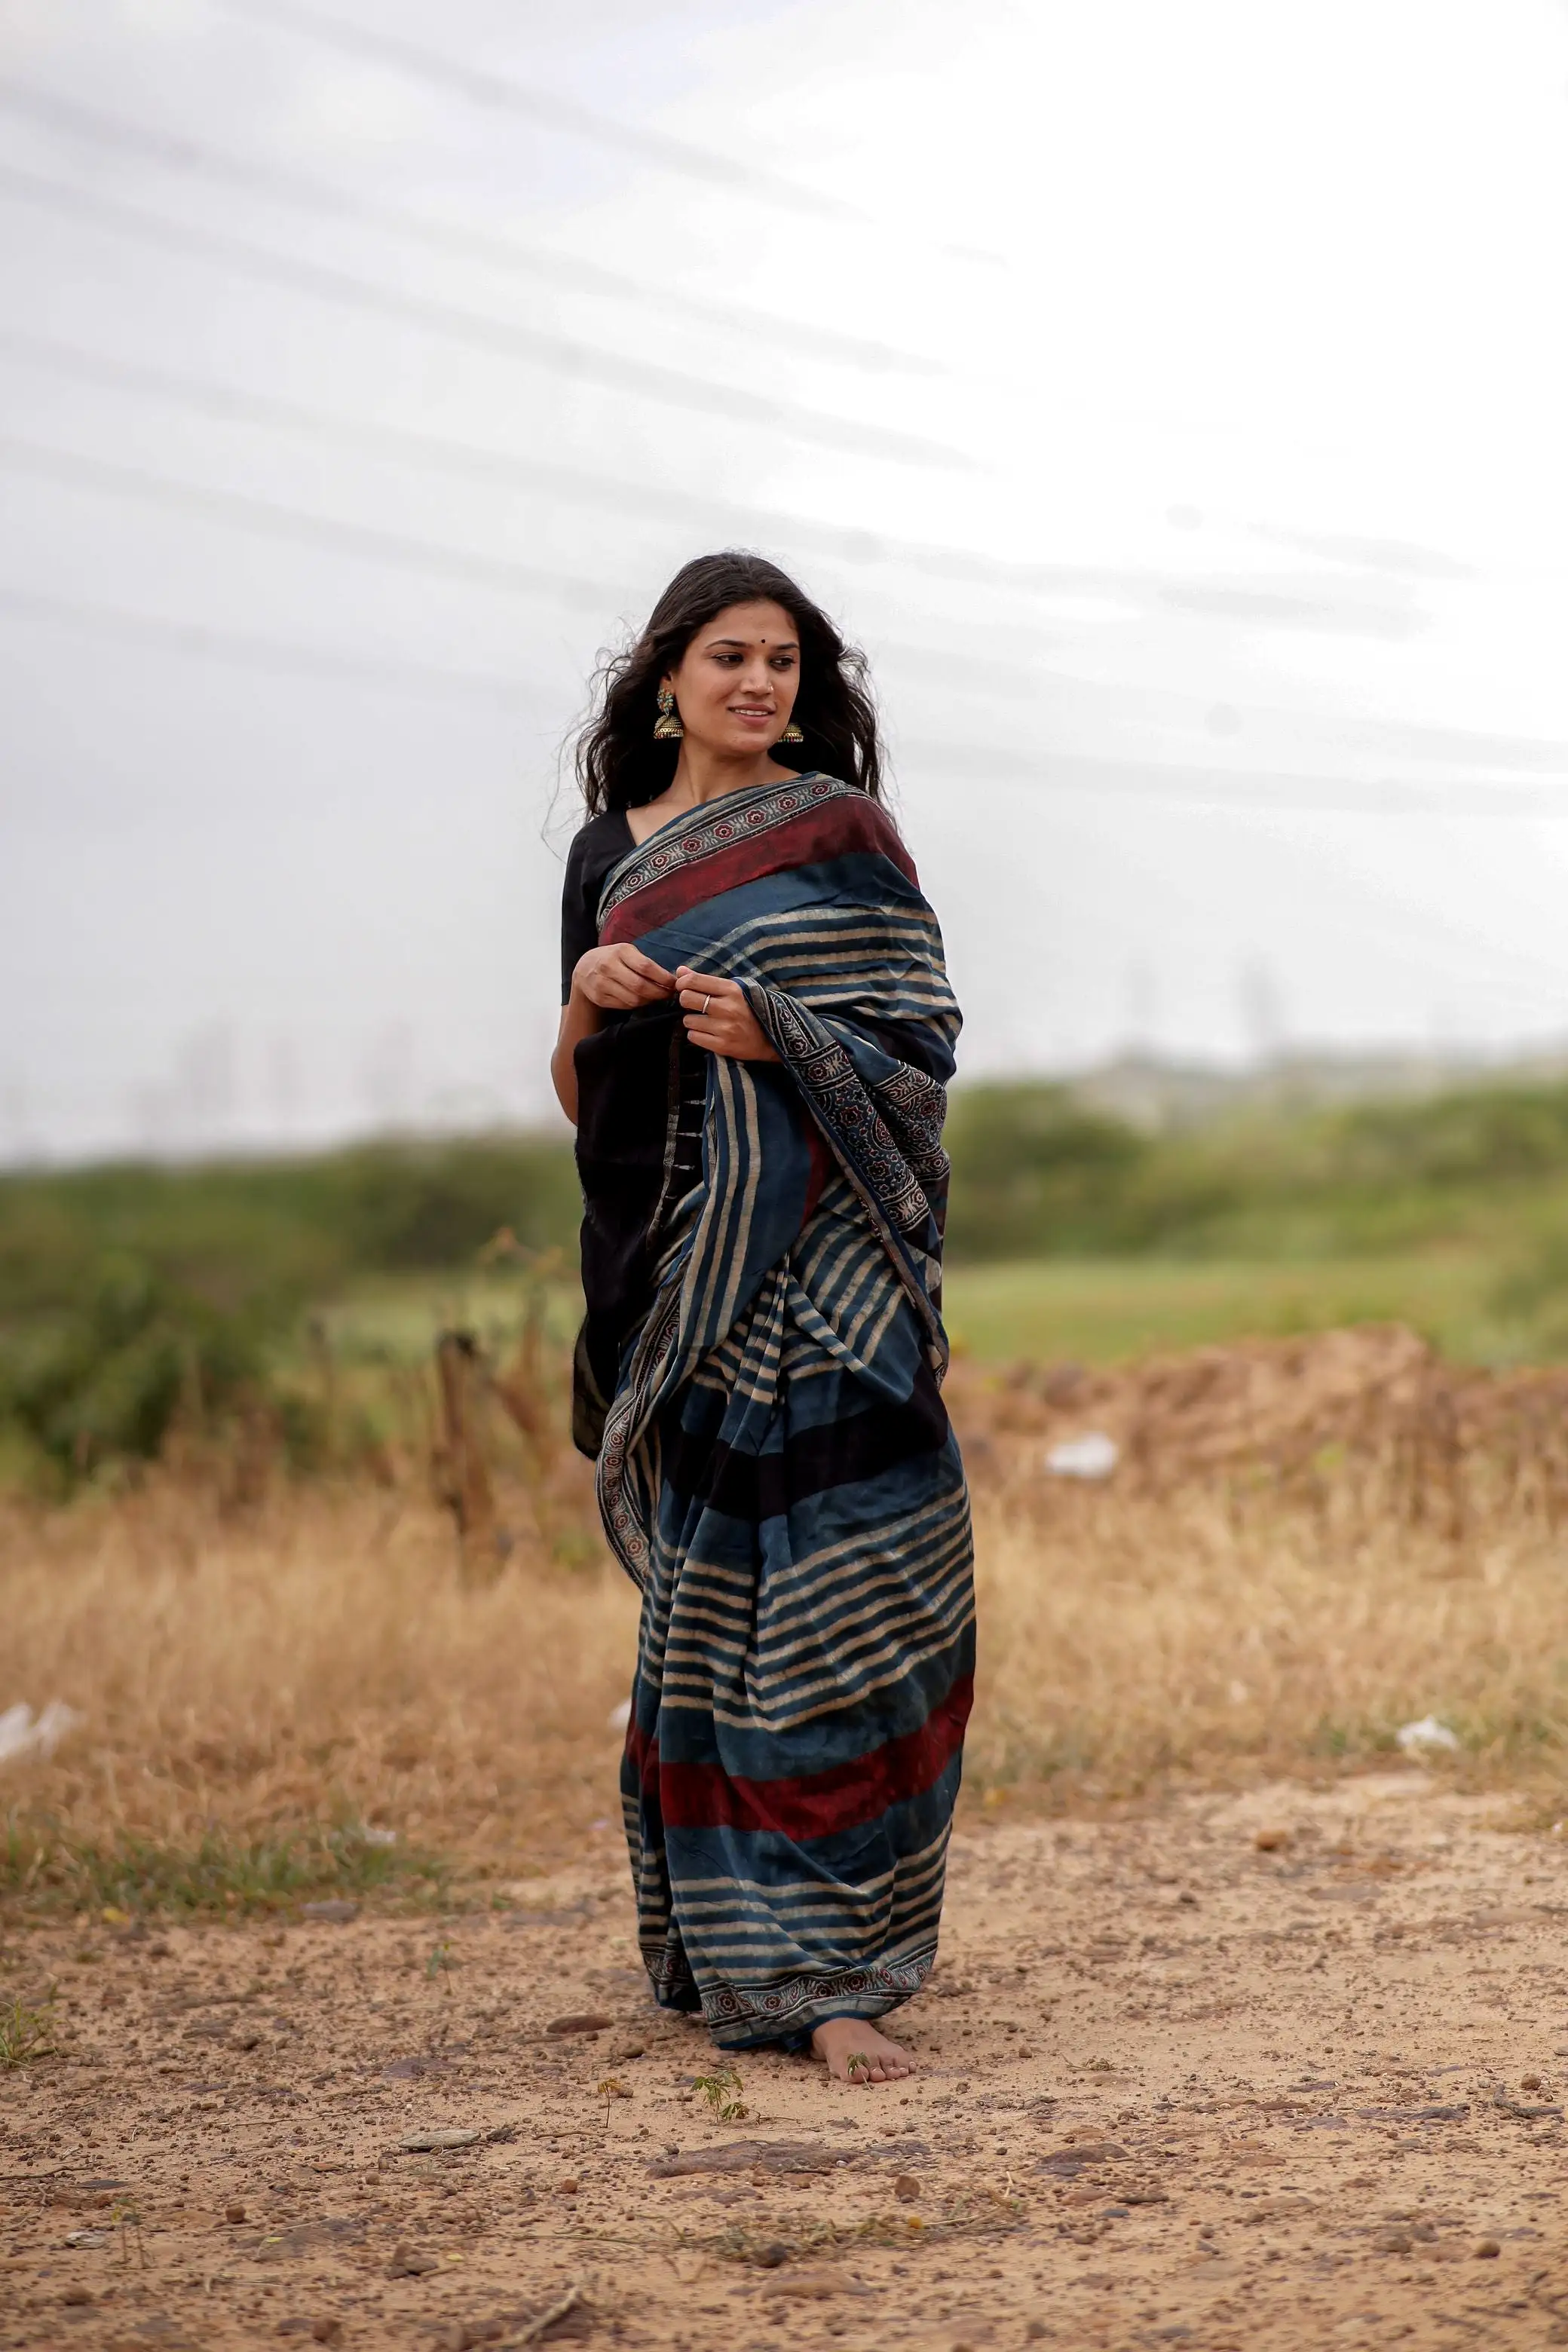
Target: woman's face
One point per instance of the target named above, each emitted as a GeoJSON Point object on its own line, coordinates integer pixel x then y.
{"type": "Point", "coordinates": [736, 684]}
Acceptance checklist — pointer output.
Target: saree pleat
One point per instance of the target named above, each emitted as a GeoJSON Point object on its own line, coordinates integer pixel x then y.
{"type": "Point", "coordinates": [776, 1469]}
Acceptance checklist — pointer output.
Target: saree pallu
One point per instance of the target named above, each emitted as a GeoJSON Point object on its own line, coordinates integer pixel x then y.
{"type": "Point", "coordinates": [775, 1468]}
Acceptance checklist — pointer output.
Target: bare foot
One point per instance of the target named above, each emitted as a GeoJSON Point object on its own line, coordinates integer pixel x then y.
{"type": "Point", "coordinates": [856, 2052]}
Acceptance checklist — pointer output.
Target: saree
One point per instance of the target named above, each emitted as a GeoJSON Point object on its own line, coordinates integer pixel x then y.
{"type": "Point", "coordinates": [759, 1378]}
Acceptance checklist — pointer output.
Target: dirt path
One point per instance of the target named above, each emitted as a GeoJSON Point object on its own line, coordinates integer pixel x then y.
{"type": "Point", "coordinates": [1178, 2088]}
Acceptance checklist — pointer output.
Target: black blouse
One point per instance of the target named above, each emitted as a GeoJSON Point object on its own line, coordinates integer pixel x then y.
{"type": "Point", "coordinates": [602, 843]}
{"type": "Point", "coordinates": [642, 1096]}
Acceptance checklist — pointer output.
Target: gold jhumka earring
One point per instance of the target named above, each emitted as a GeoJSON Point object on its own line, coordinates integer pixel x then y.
{"type": "Point", "coordinates": [791, 734]}
{"type": "Point", "coordinates": [668, 728]}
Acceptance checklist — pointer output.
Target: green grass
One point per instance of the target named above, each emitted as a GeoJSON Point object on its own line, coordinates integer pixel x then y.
{"type": "Point", "coordinates": [1102, 1310]}
{"type": "Point", "coordinates": [394, 1318]}
{"type": "Point", "coordinates": [24, 2033]}
{"type": "Point", "coordinates": [1092, 1309]}
{"type": "Point", "coordinates": [222, 1876]}
{"type": "Point", "coordinates": [280, 1305]}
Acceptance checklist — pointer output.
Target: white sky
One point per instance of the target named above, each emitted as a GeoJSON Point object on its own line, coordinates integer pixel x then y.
{"type": "Point", "coordinates": [1171, 399]}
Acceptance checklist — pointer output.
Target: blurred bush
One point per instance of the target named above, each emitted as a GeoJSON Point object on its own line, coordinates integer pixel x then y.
{"type": "Point", "coordinates": [105, 1376]}
{"type": "Point", "coordinates": [229, 1230]}
{"type": "Point", "coordinates": [138, 1299]}
{"type": "Point", "coordinates": [1033, 1174]}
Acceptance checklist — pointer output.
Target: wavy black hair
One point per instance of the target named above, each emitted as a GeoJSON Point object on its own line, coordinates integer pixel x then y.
{"type": "Point", "coordinates": [620, 766]}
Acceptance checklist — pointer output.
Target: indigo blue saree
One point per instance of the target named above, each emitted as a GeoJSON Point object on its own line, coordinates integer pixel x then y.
{"type": "Point", "coordinates": [759, 1377]}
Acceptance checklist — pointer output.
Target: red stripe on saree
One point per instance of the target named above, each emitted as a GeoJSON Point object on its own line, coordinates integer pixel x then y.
{"type": "Point", "coordinates": [837, 828]}
{"type": "Point", "coordinates": [815, 1804]}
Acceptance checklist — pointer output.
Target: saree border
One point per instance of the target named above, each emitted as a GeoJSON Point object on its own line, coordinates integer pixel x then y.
{"type": "Point", "coordinates": [742, 815]}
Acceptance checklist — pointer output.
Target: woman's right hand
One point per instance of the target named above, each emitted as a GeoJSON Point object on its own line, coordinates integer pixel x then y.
{"type": "Point", "coordinates": [619, 978]}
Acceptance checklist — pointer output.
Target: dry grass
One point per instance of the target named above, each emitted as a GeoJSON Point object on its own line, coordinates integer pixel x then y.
{"type": "Point", "coordinates": [1307, 1544]}
{"type": "Point", "coordinates": [259, 1686]}
{"type": "Point", "coordinates": [321, 1661]}
{"type": "Point", "coordinates": [1126, 1638]}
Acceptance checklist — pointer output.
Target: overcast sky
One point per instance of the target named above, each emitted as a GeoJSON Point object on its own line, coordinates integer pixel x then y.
{"type": "Point", "coordinates": [1170, 398]}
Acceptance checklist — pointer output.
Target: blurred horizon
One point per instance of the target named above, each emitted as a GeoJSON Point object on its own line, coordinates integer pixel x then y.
{"type": "Point", "coordinates": [1170, 402]}
{"type": "Point", "coordinates": [202, 1122]}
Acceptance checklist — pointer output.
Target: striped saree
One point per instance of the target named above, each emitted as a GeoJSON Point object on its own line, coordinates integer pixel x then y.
{"type": "Point", "coordinates": [761, 1374]}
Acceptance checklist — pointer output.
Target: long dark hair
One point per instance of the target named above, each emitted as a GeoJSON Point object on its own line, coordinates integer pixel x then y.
{"type": "Point", "coordinates": [619, 765]}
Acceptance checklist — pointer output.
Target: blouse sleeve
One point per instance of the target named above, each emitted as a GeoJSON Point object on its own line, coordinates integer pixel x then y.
{"type": "Point", "coordinates": [579, 910]}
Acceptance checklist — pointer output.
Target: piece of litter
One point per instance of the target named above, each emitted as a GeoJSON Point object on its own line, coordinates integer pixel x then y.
{"type": "Point", "coordinates": [23, 1733]}
{"type": "Point", "coordinates": [87, 2237]}
{"type": "Point", "coordinates": [1427, 1733]}
{"type": "Point", "coordinates": [619, 1716]}
{"type": "Point", "coordinates": [1093, 1455]}
{"type": "Point", "coordinates": [422, 2143]}
{"type": "Point", "coordinates": [336, 1913]}
{"type": "Point", "coordinates": [378, 1837]}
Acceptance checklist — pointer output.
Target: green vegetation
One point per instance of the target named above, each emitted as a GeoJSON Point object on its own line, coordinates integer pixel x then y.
{"type": "Point", "coordinates": [137, 1302]}
{"type": "Point", "coordinates": [1034, 1175]}
{"type": "Point", "coordinates": [105, 1375]}
{"type": "Point", "coordinates": [24, 2033]}
{"type": "Point", "coordinates": [222, 1876]}
{"type": "Point", "coordinates": [1071, 1233]}
{"type": "Point", "coordinates": [234, 1232]}
{"type": "Point", "coordinates": [722, 2089]}
{"type": "Point", "coordinates": [1104, 1310]}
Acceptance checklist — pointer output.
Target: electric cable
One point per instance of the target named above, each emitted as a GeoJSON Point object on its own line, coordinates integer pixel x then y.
{"type": "Point", "coordinates": [473, 461]}
{"type": "Point", "coordinates": [303, 191]}
{"type": "Point", "coordinates": [551, 110]}
{"type": "Point", "coordinates": [277, 521]}
{"type": "Point", "coordinates": [255, 650]}
{"type": "Point", "coordinates": [975, 764]}
{"type": "Point", "coordinates": [557, 355]}
{"type": "Point", "coordinates": [400, 550]}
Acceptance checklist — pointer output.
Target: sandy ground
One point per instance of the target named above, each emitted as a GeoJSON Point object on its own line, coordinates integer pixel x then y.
{"type": "Point", "coordinates": [1177, 2087]}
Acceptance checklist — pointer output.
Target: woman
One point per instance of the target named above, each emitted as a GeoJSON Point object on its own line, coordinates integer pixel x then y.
{"type": "Point", "coordinates": [756, 1043]}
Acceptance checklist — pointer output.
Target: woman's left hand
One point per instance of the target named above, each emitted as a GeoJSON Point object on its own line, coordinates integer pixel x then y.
{"type": "Point", "coordinates": [719, 1019]}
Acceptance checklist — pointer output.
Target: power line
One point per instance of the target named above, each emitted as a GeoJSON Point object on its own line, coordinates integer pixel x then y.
{"type": "Point", "coordinates": [568, 358]}
{"type": "Point", "coordinates": [474, 462]}
{"type": "Point", "coordinates": [555, 354]}
{"type": "Point", "coordinates": [977, 765]}
{"type": "Point", "coordinates": [279, 522]}
{"type": "Point", "coordinates": [303, 191]}
{"type": "Point", "coordinates": [401, 552]}
{"type": "Point", "coordinates": [483, 86]}
{"type": "Point", "coordinates": [367, 542]}
{"type": "Point", "coordinates": [1295, 794]}
{"type": "Point", "coordinates": [271, 654]}
{"type": "Point", "coordinates": [405, 553]}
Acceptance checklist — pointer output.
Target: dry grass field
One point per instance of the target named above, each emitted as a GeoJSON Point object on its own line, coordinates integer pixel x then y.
{"type": "Point", "coordinates": [1250, 2004]}
{"type": "Point", "coordinates": [1301, 1549]}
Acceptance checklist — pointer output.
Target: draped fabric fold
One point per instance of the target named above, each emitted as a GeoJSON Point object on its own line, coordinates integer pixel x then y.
{"type": "Point", "coordinates": [760, 1376]}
